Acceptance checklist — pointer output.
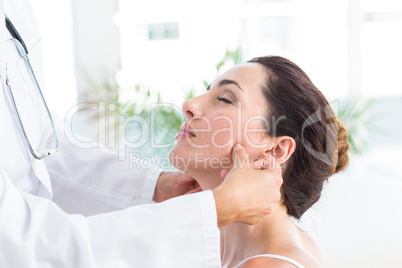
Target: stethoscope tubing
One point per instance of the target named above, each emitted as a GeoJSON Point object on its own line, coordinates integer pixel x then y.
{"type": "Point", "coordinates": [14, 33]}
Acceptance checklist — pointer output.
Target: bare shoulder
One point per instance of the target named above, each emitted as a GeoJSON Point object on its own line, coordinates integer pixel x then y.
{"type": "Point", "coordinates": [285, 250]}
{"type": "Point", "coordinates": [311, 246]}
{"type": "Point", "coordinates": [302, 250]}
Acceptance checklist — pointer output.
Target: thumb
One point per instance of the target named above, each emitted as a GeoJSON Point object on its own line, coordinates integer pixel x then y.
{"type": "Point", "coordinates": [224, 173]}
{"type": "Point", "coordinates": [239, 156]}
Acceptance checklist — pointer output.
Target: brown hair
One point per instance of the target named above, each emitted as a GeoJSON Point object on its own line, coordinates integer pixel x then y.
{"type": "Point", "coordinates": [299, 110]}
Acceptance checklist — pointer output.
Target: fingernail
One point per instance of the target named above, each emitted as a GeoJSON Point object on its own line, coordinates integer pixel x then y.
{"type": "Point", "coordinates": [256, 164]}
{"type": "Point", "coordinates": [237, 147]}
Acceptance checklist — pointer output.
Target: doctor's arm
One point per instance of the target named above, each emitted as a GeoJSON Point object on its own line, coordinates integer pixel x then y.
{"type": "Point", "coordinates": [93, 181]}
{"type": "Point", "coordinates": [35, 232]}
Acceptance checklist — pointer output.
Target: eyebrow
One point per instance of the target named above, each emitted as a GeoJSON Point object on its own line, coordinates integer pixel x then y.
{"type": "Point", "coordinates": [225, 82]}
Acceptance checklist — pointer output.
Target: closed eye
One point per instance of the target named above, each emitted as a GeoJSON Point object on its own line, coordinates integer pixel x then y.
{"type": "Point", "coordinates": [224, 100]}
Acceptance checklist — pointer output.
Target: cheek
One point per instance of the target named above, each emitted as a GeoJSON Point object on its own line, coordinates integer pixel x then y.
{"type": "Point", "coordinates": [216, 136]}
{"type": "Point", "coordinates": [254, 137]}
{"type": "Point", "coordinates": [214, 144]}
{"type": "Point", "coordinates": [224, 133]}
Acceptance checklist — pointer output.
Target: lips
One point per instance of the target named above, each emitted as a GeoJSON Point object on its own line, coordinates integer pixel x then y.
{"type": "Point", "coordinates": [185, 131]}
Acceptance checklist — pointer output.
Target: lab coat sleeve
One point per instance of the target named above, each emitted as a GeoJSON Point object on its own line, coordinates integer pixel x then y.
{"type": "Point", "coordinates": [92, 181]}
{"type": "Point", "coordinates": [35, 232]}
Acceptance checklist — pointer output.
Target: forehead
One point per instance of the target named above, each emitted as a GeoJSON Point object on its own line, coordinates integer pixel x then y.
{"type": "Point", "coordinates": [247, 74]}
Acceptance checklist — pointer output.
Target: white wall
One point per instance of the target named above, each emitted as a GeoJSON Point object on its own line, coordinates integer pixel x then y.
{"type": "Point", "coordinates": [315, 37]}
{"type": "Point", "coordinates": [96, 42]}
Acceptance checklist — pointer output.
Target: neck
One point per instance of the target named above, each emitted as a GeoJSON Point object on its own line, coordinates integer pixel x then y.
{"type": "Point", "coordinates": [207, 180]}
{"type": "Point", "coordinates": [240, 241]}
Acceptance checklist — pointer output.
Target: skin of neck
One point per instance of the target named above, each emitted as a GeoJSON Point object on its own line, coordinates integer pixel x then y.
{"type": "Point", "coordinates": [240, 241]}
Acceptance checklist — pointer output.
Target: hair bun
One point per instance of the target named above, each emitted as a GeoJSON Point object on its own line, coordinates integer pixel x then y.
{"type": "Point", "coordinates": [343, 148]}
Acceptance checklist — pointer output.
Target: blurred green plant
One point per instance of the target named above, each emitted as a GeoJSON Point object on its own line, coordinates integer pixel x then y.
{"type": "Point", "coordinates": [353, 111]}
{"type": "Point", "coordinates": [235, 56]}
{"type": "Point", "coordinates": [166, 118]}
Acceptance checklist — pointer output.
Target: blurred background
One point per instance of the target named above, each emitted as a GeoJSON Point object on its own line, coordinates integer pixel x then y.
{"type": "Point", "coordinates": [129, 54]}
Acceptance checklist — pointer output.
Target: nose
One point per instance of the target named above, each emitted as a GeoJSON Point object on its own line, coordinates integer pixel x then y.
{"type": "Point", "coordinates": [192, 108]}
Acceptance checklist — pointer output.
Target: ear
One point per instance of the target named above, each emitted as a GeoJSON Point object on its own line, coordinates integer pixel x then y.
{"type": "Point", "coordinates": [283, 148]}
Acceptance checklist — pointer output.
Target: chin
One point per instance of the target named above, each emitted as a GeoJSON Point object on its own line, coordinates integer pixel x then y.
{"type": "Point", "coordinates": [173, 159]}
{"type": "Point", "coordinates": [181, 158]}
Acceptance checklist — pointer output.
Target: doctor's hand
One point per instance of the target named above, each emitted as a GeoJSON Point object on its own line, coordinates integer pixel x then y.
{"type": "Point", "coordinates": [249, 191]}
{"type": "Point", "coordinates": [171, 184]}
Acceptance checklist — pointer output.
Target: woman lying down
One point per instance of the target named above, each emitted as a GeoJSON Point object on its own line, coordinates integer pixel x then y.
{"type": "Point", "coordinates": [270, 107]}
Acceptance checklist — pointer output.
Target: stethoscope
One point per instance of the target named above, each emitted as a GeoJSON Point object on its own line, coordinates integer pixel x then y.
{"type": "Point", "coordinates": [23, 51]}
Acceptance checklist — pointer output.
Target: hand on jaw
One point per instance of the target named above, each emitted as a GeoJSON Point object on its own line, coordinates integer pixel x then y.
{"type": "Point", "coordinates": [171, 184]}
{"type": "Point", "coordinates": [248, 193]}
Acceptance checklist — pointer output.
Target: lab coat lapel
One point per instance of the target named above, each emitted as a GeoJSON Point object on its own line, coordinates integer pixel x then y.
{"type": "Point", "coordinates": [40, 170]}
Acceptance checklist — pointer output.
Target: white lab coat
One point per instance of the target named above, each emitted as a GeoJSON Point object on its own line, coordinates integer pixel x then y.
{"type": "Point", "coordinates": [83, 207]}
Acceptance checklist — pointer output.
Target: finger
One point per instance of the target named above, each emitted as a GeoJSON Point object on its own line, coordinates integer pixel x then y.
{"type": "Point", "coordinates": [224, 173]}
{"type": "Point", "coordinates": [196, 190]}
{"type": "Point", "coordinates": [184, 178]}
{"type": "Point", "coordinates": [196, 185]}
{"type": "Point", "coordinates": [258, 164]}
{"type": "Point", "coordinates": [239, 156]}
